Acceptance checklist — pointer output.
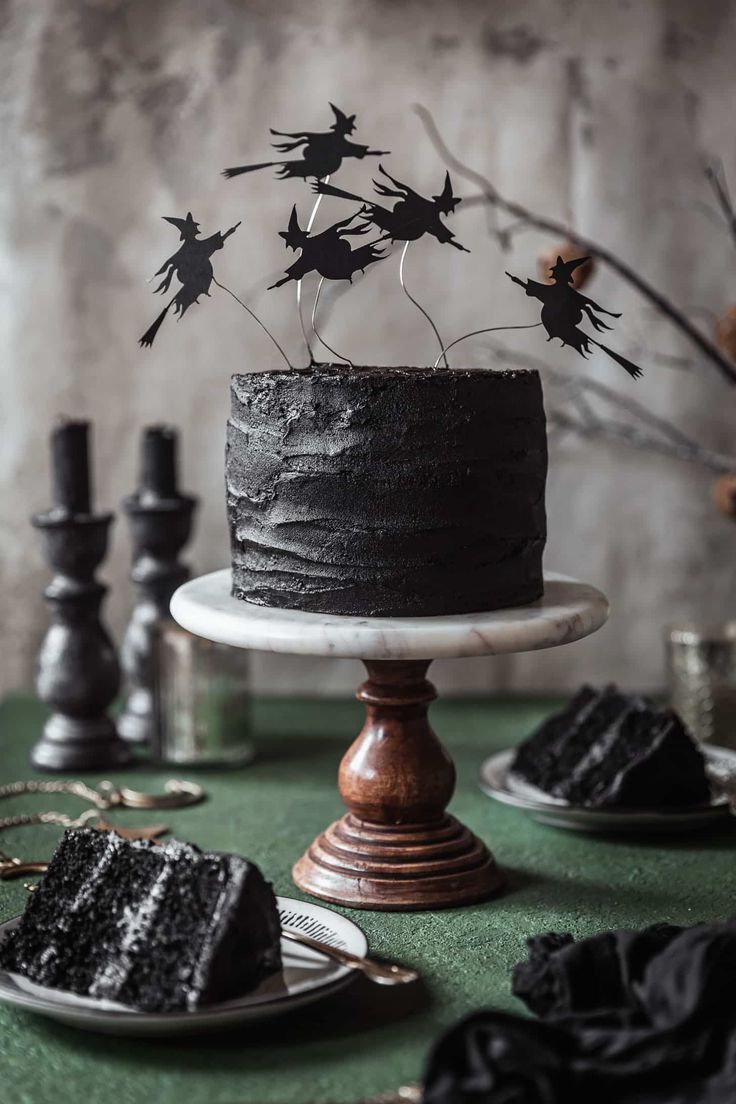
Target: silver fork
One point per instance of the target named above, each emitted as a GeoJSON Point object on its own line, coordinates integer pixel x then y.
{"type": "Point", "coordinates": [383, 973]}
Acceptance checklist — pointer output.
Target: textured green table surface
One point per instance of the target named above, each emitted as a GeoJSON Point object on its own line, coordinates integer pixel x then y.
{"type": "Point", "coordinates": [365, 1039]}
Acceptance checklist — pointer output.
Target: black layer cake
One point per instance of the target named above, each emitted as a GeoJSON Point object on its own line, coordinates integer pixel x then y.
{"type": "Point", "coordinates": [159, 928]}
{"type": "Point", "coordinates": [607, 748]}
{"type": "Point", "coordinates": [387, 491]}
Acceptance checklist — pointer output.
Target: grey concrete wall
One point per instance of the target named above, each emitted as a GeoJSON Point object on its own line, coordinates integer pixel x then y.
{"type": "Point", "coordinates": [117, 112]}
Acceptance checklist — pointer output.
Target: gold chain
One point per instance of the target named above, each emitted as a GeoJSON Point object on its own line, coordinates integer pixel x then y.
{"type": "Point", "coordinates": [105, 796]}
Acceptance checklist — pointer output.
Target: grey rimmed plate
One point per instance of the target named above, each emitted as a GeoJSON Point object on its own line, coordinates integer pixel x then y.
{"type": "Point", "coordinates": [306, 977]}
{"type": "Point", "coordinates": [497, 780]}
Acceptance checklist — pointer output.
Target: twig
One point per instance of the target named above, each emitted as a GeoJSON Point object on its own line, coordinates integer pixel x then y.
{"type": "Point", "coordinates": [559, 229]}
{"type": "Point", "coordinates": [715, 177]}
{"type": "Point", "coordinates": [652, 433]}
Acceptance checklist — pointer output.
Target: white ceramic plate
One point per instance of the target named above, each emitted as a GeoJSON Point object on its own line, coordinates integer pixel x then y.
{"type": "Point", "coordinates": [306, 977]}
{"type": "Point", "coordinates": [499, 783]}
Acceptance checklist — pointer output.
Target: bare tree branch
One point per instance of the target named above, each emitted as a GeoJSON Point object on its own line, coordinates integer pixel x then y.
{"type": "Point", "coordinates": [715, 177]}
{"type": "Point", "coordinates": [586, 245]}
{"type": "Point", "coordinates": [647, 431]}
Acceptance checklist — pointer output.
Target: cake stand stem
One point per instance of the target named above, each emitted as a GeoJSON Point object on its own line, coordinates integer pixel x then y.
{"type": "Point", "coordinates": [397, 848]}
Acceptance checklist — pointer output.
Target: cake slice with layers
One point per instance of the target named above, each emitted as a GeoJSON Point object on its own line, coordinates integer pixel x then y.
{"type": "Point", "coordinates": [158, 928]}
{"type": "Point", "coordinates": [607, 748]}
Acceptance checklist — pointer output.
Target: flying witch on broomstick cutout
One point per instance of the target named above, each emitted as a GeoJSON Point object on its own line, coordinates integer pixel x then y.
{"type": "Point", "coordinates": [322, 151]}
{"type": "Point", "coordinates": [192, 267]}
{"type": "Point", "coordinates": [411, 217]}
{"type": "Point", "coordinates": [563, 308]}
{"type": "Point", "coordinates": [327, 253]}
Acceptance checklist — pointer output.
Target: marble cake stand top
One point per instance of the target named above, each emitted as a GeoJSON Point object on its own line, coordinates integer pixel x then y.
{"type": "Point", "coordinates": [568, 611]}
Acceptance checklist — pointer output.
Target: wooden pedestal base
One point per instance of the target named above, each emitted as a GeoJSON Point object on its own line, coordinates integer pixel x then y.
{"type": "Point", "coordinates": [397, 848]}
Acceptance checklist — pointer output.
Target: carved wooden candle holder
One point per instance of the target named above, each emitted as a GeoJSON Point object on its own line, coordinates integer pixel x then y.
{"type": "Point", "coordinates": [160, 520]}
{"type": "Point", "coordinates": [78, 672]}
{"type": "Point", "coordinates": [397, 847]}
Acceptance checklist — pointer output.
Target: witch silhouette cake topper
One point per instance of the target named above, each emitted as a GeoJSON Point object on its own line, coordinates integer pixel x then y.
{"type": "Point", "coordinates": [563, 307]}
{"type": "Point", "coordinates": [322, 152]}
{"type": "Point", "coordinates": [192, 267]}
{"type": "Point", "coordinates": [327, 253]}
{"type": "Point", "coordinates": [411, 217]}
{"type": "Point", "coordinates": [336, 252]}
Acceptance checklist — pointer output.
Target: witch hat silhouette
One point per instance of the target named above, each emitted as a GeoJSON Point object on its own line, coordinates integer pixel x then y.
{"type": "Point", "coordinates": [187, 227]}
{"type": "Point", "coordinates": [561, 271]}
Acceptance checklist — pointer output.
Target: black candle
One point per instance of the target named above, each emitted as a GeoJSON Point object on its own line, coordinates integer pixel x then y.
{"type": "Point", "coordinates": [158, 462]}
{"type": "Point", "coordinates": [70, 466]}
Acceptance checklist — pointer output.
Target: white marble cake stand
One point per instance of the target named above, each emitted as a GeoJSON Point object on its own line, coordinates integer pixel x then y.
{"type": "Point", "coordinates": [396, 848]}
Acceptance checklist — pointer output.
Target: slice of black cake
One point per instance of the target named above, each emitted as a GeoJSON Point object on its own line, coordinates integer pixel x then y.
{"type": "Point", "coordinates": [159, 928]}
{"type": "Point", "coordinates": [607, 748]}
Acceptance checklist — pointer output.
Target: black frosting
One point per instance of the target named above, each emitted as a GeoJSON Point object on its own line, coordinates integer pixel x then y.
{"type": "Point", "coordinates": [387, 491]}
{"type": "Point", "coordinates": [607, 748]}
{"type": "Point", "coordinates": [160, 928]}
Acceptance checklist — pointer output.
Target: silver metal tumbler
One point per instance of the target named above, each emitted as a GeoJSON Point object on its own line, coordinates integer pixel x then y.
{"type": "Point", "coordinates": [701, 671]}
{"type": "Point", "coordinates": [202, 695]}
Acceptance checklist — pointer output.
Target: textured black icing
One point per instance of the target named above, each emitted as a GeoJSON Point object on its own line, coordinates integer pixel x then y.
{"type": "Point", "coordinates": [160, 928]}
{"type": "Point", "coordinates": [607, 748]}
{"type": "Point", "coordinates": [387, 491]}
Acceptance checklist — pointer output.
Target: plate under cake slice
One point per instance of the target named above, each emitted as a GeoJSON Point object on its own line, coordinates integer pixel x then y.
{"type": "Point", "coordinates": [607, 748]}
{"type": "Point", "coordinates": [158, 928]}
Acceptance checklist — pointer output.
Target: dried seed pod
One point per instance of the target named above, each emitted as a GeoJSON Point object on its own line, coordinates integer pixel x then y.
{"type": "Point", "coordinates": [726, 333]}
{"type": "Point", "coordinates": [568, 252]}
{"type": "Point", "coordinates": [723, 493]}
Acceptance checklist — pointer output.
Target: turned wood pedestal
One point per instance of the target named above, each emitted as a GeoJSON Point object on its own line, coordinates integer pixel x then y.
{"type": "Point", "coordinates": [397, 848]}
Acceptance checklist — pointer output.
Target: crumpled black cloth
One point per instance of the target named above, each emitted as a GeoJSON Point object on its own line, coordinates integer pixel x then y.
{"type": "Point", "coordinates": [626, 1017]}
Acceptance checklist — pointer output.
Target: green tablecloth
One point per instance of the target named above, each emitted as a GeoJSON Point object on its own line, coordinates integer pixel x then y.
{"type": "Point", "coordinates": [365, 1039]}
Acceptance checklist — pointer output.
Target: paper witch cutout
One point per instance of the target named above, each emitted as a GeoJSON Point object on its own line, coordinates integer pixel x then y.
{"type": "Point", "coordinates": [327, 253]}
{"type": "Point", "coordinates": [322, 152]}
{"type": "Point", "coordinates": [192, 267]}
{"type": "Point", "coordinates": [563, 308]}
{"type": "Point", "coordinates": [410, 218]}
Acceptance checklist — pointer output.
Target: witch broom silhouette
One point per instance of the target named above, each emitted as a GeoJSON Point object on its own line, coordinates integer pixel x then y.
{"type": "Point", "coordinates": [322, 151]}
{"type": "Point", "coordinates": [563, 308]}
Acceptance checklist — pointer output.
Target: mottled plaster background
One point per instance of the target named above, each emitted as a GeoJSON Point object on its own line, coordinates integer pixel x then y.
{"type": "Point", "coordinates": [115, 112]}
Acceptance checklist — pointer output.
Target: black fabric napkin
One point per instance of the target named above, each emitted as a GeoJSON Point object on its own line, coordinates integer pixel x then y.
{"type": "Point", "coordinates": [626, 1017]}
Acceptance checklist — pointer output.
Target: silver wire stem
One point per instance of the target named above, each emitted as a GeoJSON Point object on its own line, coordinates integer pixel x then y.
{"type": "Point", "coordinates": [474, 333]}
{"type": "Point", "coordinates": [257, 319]}
{"type": "Point", "coordinates": [310, 224]}
{"type": "Point", "coordinates": [316, 331]}
{"type": "Point", "coordinates": [421, 308]}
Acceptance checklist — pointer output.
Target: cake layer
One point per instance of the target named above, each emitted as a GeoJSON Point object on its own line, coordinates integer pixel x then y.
{"type": "Point", "coordinates": [387, 491]}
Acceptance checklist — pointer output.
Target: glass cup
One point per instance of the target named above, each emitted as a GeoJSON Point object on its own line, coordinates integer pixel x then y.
{"type": "Point", "coordinates": [701, 672]}
{"type": "Point", "coordinates": [203, 701]}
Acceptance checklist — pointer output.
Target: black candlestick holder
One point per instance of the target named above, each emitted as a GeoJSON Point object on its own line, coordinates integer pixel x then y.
{"type": "Point", "coordinates": [160, 523]}
{"type": "Point", "coordinates": [78, 671]}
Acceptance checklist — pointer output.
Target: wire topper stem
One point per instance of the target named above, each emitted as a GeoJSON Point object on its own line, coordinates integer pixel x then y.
{"type": "Point", "coordinates": [310, 224]}
{"type": "Point", "coordinates": [419, 307]}
{"type": "Point", "coordinates": [318, 335]}
{"type": "Point", "coordinates": [257, 319]}
{"type": "Point", "coordinates": [474, 333]}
